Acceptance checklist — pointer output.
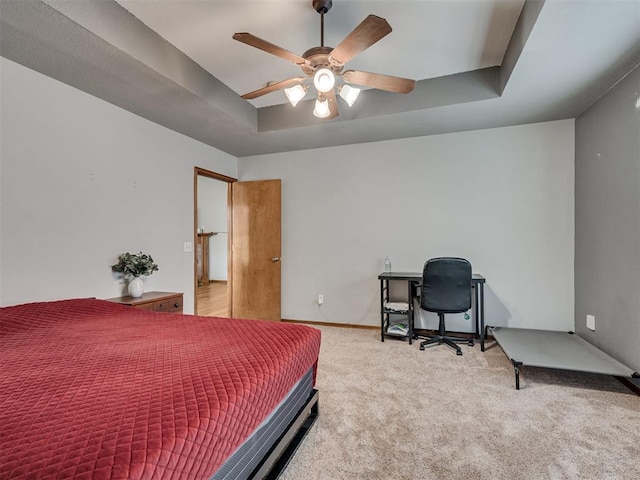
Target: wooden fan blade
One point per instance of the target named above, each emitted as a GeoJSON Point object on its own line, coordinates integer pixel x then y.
{"type": "Point", "coordinates": [379, 81]}
{"type": "Point", "coordinates": [268, 47]}
{"type": "Point", "coordinates": [371, 30]}
{"type": "Point", "coordinates": [272, 88]}
{"type": "Point", "coordinates": [333, 104]}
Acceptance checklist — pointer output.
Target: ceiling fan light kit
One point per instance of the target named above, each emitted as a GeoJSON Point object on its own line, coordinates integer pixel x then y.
{"type": "Point", "coordinates": [295, 94]}
{"type": "Point", "coordinates": [321, 109]}
{"type": "Point", "coordinates": [325, 64]}
{"type": "Point", "coordinates": [349, 94]}
{"type": "Point", "coordinates": [324, 80]}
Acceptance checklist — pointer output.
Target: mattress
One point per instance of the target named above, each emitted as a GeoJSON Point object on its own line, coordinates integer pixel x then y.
{"type": "Point", "coordinates": [92, 389]}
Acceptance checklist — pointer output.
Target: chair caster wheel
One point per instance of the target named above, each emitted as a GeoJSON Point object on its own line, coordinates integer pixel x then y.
{"type": "Point", "coordinates": [471, 343]}
{"type": "Point", "coordinates": [422, 347]}
{"type": "Point", "coordinates": [459, 353]}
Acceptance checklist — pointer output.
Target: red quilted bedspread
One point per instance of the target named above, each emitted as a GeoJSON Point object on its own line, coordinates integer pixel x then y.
{"type": "Point", "coordinates": [95, 390]}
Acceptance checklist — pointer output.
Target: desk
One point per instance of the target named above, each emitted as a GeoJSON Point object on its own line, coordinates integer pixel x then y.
{"type": "Point", "coordinates": [413, 280]}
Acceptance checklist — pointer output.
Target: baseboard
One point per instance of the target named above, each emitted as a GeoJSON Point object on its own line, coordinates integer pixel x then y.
{"type": "Point", "coordinates": [630, 384]}
{"type": "Point", "coordinates": [426, 332]}
{"type": "Point", "coordinates": [420, 331]}
{"type": "Point", "coordinates": [377, 327]}
{"type": "Point", "coordinates": [332, 324]}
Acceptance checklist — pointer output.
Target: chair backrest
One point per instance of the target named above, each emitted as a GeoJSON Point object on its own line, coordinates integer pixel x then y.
{"type": "Point", "coordinates": [446, 285]}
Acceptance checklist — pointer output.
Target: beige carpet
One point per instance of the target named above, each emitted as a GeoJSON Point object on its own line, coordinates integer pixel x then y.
{"type": "Point", "coordinates": [390, 411]}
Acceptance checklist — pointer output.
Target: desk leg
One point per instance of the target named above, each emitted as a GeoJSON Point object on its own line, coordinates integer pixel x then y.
{"type": "Point", "coordinates": [476, 315]}
{"type": "Point", "coordinates": [482, 332]}
{"type": "Point", "coordinates": [410, 311]}
{"type": "Point", "coordinates": [382, 310]}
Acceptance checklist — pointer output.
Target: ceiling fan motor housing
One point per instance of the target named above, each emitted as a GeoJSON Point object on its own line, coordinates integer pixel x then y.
{"type": "Point", "coordinates": [318, 57]}
{"type": "Point", "coordinates": [322, 6]}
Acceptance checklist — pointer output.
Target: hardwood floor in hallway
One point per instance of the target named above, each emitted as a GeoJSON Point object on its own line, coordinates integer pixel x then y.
{"type": "Point", "coordinates": [212, 300]}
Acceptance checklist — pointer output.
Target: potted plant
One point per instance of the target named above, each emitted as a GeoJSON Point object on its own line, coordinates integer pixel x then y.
{"type": "Point", "coordinates": [134, 266]}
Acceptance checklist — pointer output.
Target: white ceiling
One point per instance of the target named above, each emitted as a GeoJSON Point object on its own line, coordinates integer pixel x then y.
{"type": "Point", "coordinates": [478, 63]}
{"type": "Point", "coordinates": [429, 38]}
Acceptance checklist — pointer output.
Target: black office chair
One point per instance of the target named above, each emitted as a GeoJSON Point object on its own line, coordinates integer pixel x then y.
{"type": "Point", "coordinates": [446, 288]}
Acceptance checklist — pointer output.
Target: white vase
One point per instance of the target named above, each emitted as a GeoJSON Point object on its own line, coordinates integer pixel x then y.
{"type": "Point", "coordinates": [136, 287]}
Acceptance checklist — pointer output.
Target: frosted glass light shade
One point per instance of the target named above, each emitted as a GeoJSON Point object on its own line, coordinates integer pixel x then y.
{"type": "Point", "coordinates": [324, 80]}
{"type": "Point", "coordinates": [322, 109]}
{"type": "Point", "coordinates": [295, 94]}
{"type": "Point", "coordinates": [349, 94]}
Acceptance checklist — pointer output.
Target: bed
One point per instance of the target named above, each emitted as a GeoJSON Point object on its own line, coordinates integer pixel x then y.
{"type": "Point", "coordinates": [95, 390]}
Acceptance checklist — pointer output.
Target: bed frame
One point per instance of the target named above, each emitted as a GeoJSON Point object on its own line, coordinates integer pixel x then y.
{"type": "Point", "coordinates": [278, 457]}
{"type": "Point", "coordinates": [557, 350]}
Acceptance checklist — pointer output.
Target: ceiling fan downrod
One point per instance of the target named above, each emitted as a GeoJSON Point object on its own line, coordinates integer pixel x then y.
{"type": "Point", "coordinates": [322, 7]}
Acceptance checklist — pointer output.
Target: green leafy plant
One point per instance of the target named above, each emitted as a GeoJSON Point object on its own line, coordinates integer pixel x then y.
{"type": "Point", "coordinates": [135, 265]}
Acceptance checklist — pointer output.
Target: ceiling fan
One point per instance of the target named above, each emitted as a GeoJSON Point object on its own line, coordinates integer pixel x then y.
{"type": "Point", "coordinates": [323, 64]}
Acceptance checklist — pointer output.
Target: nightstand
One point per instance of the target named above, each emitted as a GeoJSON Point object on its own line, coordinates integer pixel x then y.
{"type": "Point", "coordinates": [170, 302]}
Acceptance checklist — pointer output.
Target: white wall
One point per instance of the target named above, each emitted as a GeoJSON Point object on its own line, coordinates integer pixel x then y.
{"type": "Point", "coordinates": [503, 198]}
{"type": "Point", "coordinates": [212, 216]}
{"type": "Point", "coordinates": [83, 181]}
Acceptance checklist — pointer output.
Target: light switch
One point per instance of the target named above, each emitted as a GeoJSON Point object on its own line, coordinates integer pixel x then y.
{"type": "Point", "coordinates": [188, 247]}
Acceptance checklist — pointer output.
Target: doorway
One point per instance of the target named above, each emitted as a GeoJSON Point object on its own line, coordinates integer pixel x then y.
{"type": "Point", "coordinates": [212, 243]}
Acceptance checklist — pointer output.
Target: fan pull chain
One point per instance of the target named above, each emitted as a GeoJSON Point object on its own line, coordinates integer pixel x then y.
{"type": "Point", "coordinates": [322, 29]}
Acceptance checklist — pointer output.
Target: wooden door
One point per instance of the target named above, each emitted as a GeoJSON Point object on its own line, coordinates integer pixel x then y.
{"type": "Point", "coordinates": [255, 252]}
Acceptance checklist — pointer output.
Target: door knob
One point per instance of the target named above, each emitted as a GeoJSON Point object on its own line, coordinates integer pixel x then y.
{"type": "Point", "coordinates": [275, 259]}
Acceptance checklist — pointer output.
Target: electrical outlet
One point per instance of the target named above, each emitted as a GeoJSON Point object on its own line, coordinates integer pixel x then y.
{"type": "Point", "coordinates": [320, 299]}
{"type": "Point", "coordinates": [188, 247]}
{"type": "Point", "coordinates": [591, 322]}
